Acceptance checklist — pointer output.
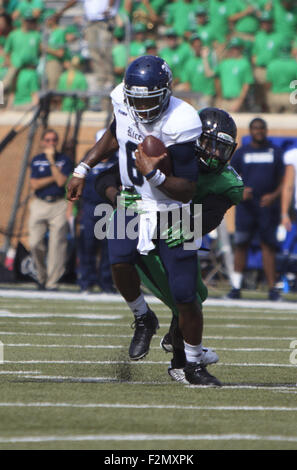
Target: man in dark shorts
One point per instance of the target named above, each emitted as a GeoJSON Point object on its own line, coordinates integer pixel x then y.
{"type": "Point", "coordinates": [260, 164]}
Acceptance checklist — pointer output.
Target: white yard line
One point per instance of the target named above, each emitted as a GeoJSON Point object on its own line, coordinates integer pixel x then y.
{"type": "Point", "coordinates": [135, 363]}
{"type": "Point", "coordinates": [91, 316]}
{"type": "Point", "coordinates": [109, 298]}
{"type": "Point", "coordinates": [90, 335]}
{"type": "Point", "coordinates": [17, 372]}
{"type": "Point", "coordinates": [147, 437]}
{"type": "Point", "coordinates": [107, 335]}
{"type": "Point", "coordinates": [147, 406]}
{"type": "Point", "coordinates": [76, 346]}
{"type": "Point", "coordinates": [209, 316]}
{"type": "Point", "coordinates": [289, 389]}
{"type": "Point", "coordinates": [119, 346]}
{"type": "Point", "coordinates": [120, 317]}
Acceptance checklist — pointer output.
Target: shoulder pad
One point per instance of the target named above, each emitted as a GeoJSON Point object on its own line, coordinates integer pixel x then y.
{"type": "Point", "coordinates": [117, 94]}
{"type": "Point", "coordinates": [182, 123]}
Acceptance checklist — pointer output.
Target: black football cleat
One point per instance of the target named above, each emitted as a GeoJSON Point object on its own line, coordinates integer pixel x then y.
{"type": "Point", "coordinates": [166, 343]}
{"type": "Point", "coordinates": [197, 374]}
{"type": "Point", "coordinates": [234, 294]}
{"type": "Point", "coordinates": [145, 327]}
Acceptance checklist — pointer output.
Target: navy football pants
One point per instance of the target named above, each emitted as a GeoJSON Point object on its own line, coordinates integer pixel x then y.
{"type": "Point", "coordinates": [180, 264]}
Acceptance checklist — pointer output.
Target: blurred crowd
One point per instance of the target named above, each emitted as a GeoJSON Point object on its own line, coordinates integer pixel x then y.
{"type": "Point", "coordinates": [240, 55]}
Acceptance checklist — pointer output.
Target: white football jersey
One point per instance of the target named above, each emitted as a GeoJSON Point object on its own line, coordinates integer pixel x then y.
{"type": "Point", "coordinates": [178, 124]}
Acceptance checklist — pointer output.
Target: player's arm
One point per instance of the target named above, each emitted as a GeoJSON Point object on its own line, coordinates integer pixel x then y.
{"type": "Point", "coordinates": [105, 147]}
{"type": "Point", "coordinates": [181, 186]}
{"type": "Point", "coordinates": [214, 207]}
{"type": "Point", "coordinates": [108, 184]}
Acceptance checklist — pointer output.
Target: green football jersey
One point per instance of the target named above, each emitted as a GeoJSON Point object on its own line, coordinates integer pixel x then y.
{"type": "Point", "coordinates": [228, 183]}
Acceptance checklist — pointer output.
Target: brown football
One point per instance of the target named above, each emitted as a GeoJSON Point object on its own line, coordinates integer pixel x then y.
{"type": "Point", "coordinates": [154, 147]}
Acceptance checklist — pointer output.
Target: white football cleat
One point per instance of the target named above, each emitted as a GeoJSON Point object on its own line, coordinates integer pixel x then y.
{"type": "Point", "coordinates": [209, 357]}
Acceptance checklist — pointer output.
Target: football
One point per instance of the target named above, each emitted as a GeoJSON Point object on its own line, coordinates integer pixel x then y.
{"type": "Point", "coordinates": [154, 147]}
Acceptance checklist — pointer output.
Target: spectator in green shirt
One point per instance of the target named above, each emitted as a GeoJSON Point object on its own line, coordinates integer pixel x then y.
{"type": "Point", "coordinates": [173, 53]}
{"type": "Point", "coordinates": [144, 11]}
{"type": "Point", "coordinates": [137, 47]}
{"type": "Point", "coordinates": [281, 72]}
{"type": "Point", "coordinates": [73, 80]}
{"type": "Point", "coordinates": [265, 48]}
{"type": "Point", "coordinates": [267, 42]}
{"type": "Point", "coordinates": [243, 15]}
{"type": "Point", "coordinates": [179, 15]}
{"type": "Point", "coordinates": [234, 78]}
{"type": "Point", "coordinates": [8, 6]}
{"type": "Point", "coordinates": [158, 6]}
{"type": "Point", "coordinates": [204, 28]}
{"type": "Point", "coordinates": [27, 87]}
{"type": "Point", "coordinates": [285, 17]}
{"type": "Point", "coordinates": [198, 76]}
{"type": "Point", "coordinates": [119, 54]}
{"type": "Point", "coordinates": [22, 49]}
{"type": "Point", "coordinates": [218, 17]}
{"type": "Point", "coordinates": [24, 7]}
{"type": "Point", "coordinates": [5, 27]}
{"type": "Point", "coordinates": [151, 47]}
{"type": "Point", "coordinates": [55, 52]}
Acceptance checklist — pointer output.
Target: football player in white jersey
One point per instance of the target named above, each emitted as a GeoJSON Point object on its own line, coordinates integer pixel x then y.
{"type": "Point", "coordinates": [143, 105]}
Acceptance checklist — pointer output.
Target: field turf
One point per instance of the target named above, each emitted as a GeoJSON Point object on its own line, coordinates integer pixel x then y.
{"type": "Point", "coordinates": [67, 382]}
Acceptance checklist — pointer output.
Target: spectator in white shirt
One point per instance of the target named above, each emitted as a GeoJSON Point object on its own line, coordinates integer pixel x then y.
{"type": "Point", "coordinates": [99, 16]}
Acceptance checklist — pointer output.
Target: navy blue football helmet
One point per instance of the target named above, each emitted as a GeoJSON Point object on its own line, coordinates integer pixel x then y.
{"type": "Point", "coordinates": [217, 141]}
{"type": "Point", "coordinates": [147, 88]}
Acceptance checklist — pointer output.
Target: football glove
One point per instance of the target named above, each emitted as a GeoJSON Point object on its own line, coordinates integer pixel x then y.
{"type": "Point", "coordinates": [128, 200]}
{"type": "Point", "coordinates": [176, 235]}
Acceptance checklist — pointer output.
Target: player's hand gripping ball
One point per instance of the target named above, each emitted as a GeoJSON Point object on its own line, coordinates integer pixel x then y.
{"type": "Point", "coordinates": [153, 147]}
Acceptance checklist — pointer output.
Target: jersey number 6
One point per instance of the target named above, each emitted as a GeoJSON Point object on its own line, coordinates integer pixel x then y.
{"type": "Point", "coordinates": [134, 175]}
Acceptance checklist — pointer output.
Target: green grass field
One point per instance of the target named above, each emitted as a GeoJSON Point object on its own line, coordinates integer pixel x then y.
{"type": "Point", "coordinates": [67, 382]}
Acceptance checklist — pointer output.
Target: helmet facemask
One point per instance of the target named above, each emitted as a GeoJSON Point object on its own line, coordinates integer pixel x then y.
{"type": "Point", "coordinates": [215, 151]}
{"type": "Point", "coordinates": [146, 106]}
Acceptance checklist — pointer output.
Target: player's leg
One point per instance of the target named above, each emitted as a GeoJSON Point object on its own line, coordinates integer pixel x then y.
{"type": "Point", "coordinates": [202, 292]}
{"type": "Point", "coordinates": [122, 255]}
{"type": "Point", "coordinates": [153, 275]}
{"type": "Point", "coordinates": [181, 267]}
{"type": "Point", "coordinates": [173, 341]}
{"type": "Point", "coordinates": [245, 222]}
{"type": "Point", "coordinates": [37, 230]}
{"type": "Point", "coordinates": [268, 224]}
